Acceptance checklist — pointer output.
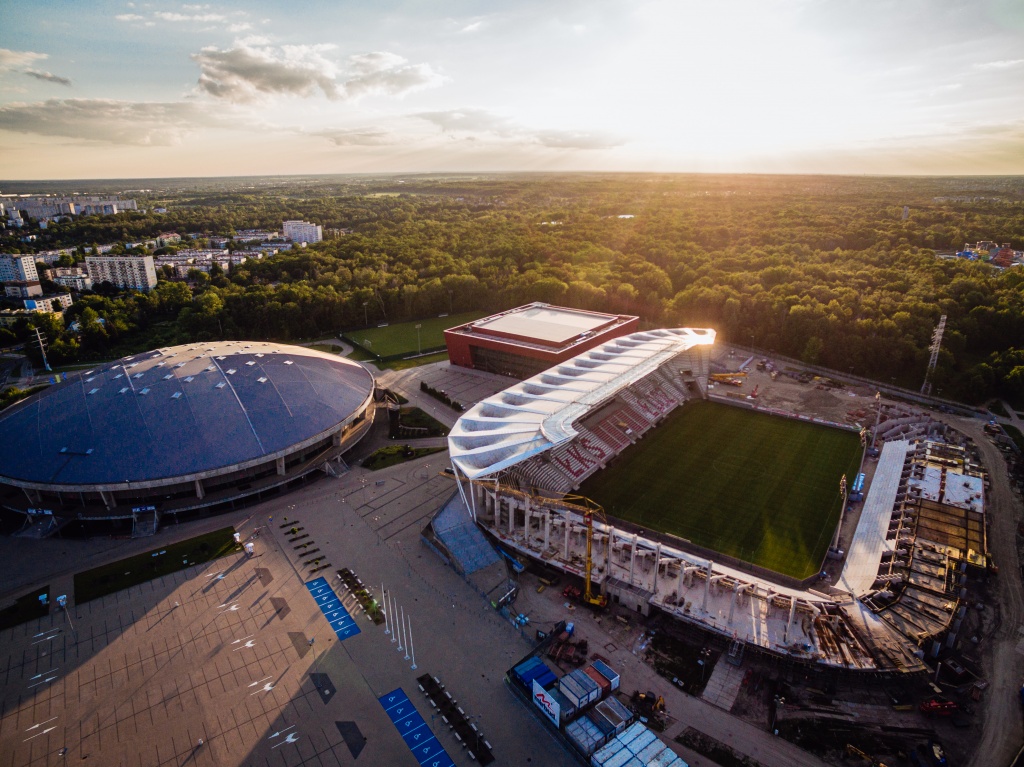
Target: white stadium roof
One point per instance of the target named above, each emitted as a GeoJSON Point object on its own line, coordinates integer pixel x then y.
{"type": "Point", "coordinates": [537, 414]}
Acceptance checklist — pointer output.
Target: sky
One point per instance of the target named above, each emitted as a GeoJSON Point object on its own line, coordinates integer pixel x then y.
{"type": "Point", "coordinates": [167, 89]}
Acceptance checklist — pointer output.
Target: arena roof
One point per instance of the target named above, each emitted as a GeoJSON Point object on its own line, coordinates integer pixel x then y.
{"type": "Point", "coordinates": [547, 324]}
{"type": "Point", "coordinates": [177, 412]}
{"type": "Point", "coordinates": [537, 414]}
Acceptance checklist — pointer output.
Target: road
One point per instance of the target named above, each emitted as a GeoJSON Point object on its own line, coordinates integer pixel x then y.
{"type": "Point", "coordinates": [1002, 724]}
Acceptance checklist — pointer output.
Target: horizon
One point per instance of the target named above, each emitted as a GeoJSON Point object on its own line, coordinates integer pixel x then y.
{"type": "Point", "coordinates": [124, 90]}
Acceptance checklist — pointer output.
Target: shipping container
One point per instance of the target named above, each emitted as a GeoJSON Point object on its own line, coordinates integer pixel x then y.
{"type": "Point", "coordinates": [572, 690]}
{"type": "Point", "coordinates": [648, 754]}
{"type": "Point", "coordinates": [611, 754]}
{"type": "Point", "coordinates": [606, 671]}
{"type": "Point", "coordinates": [605, 726]}
{"type": "Point", "coordinates": [617, 706]}
{"type": "Point", "coordinates": [664, 759]}
{"type": "Point", "coordinates": [608, 712]}
{"type": "Point", "coordinates": [585, 735]}
{"type": "Point", "coordinates": [590, 687]}
{"type": "Point", "coordinates": [642, 741]}
{"type": "Point", "coordinates": [599, 678]}
{"type": "Point", "coordinates": [567, 711]}
{"type": "Point", "coordinates": [632, 732]}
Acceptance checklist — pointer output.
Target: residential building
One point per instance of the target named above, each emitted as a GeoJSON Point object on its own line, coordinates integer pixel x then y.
{"type": "Point", "coordinates": [58, 302]}
{"type": "Point", "coordinates": [41, 207]}
{"type": "Point", "coordinates": [73, 277]}
{"type": "Point", "coordinates": [167, 238]}
{"type": "Point", "coordinates": [302, 231]}
{"type": "Point", "coordinates": [23, 289]}
{"type": "Point", "coordinates": [18, 268]}
{"type": "Point", "coordinates": [134, 272]}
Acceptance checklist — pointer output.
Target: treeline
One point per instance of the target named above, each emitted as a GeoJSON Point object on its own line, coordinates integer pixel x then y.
{"type": "Point", "coordinates": [824, 269]}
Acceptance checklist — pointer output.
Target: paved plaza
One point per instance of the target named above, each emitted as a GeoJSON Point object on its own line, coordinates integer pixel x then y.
{"type": "Point", "coordinates": [221, 653]}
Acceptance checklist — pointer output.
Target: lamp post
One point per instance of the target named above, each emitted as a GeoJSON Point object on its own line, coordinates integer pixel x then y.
{"type": "Point", "coordinates": [419, 345]}
{"type": "Point", "coordinates": [366, 314]}
{"type": "Point", "coordinates": [778, 701]}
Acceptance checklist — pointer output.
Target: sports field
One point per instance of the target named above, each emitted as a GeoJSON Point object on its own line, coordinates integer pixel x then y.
{"type": "Point", "coordinates": [400, 339]}
{"type": "Point", "coordinates": [760, 488]}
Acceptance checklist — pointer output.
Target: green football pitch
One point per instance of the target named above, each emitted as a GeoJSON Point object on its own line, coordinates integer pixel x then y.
{"type": "Point", "coordinates": [400, 338]}
{"type": "Point", "coordinates": [757, 487]}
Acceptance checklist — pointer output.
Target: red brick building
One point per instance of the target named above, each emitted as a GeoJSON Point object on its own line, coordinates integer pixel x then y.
{"type": "Point", "coordinates": [527, 340]}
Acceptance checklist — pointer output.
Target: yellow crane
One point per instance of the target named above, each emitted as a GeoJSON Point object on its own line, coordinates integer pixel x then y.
{"type": "Point", "coordinates": [598, 600]}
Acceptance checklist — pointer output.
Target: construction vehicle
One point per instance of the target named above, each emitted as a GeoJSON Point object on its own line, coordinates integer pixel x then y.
{"type": "Point", "coordinates": [852, 750]}
{"type": "Point", "coordinates": [938, 707]}
{"type": "Point", "coordinates": [753, 394]}
{"type": "Point", "coordinates": [647, 705]}
{"type": "Point", "coordinates": [727, 377]}
{"type": "Point", "coordinates": [596, 600]}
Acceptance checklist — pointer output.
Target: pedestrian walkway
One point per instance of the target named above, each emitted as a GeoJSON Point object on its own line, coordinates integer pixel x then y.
{"type": "Point", "coordinates": [724, 685]}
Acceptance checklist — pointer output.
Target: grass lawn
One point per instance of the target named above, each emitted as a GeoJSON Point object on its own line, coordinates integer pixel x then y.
{"type": "Point", "coordinates": [395, 454]}
{"type": "Point", "coordinates": [416, 418]}
{"type": "Point", "coordinates": [25, 608]}
{"type": "Point", "coordinates": [760, 488]}
{"type": "Point", "coordinates": [426, 359]}
{"type": "Point", "coordinates": [106, 579]}
{"type": "Point", "coordinates": [325, 348]}
{"type": "Point", "coordinates": [401, 338]}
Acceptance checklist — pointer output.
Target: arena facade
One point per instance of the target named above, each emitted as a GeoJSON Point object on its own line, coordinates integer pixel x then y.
{"type": "Point", "coordinates": [529, 339]}
{"type": "Point", "coordinates": [179, 429]}
{"type": "Point", "coordinates": [520, 454]}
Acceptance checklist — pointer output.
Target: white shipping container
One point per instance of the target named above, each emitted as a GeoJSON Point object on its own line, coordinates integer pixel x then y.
{"type": "Point", "coordinates": [648, 754]}
{"type": "Point", "coordinates": [602, 756]}
{"type": "Point", "coordinates": [665, 759]}
{"type": "Point", "coordinates": [617, 759]}
{"type": "Point", "coordinates": [642, 741]}
{"type": "Point", "coordinates": [631, 733]}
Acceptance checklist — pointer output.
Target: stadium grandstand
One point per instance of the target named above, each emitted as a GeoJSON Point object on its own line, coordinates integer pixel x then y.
{"type": "Point", "coordinates": [179, 429]}
{"type": "Point", "coordinates": [520, 455]}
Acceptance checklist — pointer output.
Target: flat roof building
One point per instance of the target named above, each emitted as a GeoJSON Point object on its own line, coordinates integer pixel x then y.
{"type": "Point", "coordinates": [134, 272]}
{"type": "Point", "coordinates": [529, 339]}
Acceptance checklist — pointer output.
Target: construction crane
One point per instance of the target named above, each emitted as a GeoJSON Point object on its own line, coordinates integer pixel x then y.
{"type": "Point", "coordinates": [597, 600]}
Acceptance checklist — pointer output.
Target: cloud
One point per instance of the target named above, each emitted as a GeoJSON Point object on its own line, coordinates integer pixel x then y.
{"type": "Point", "coordinates": [475, 26]}
{"type": "Point", "coordinates": [18, 59]}
{"type": "Point", "coordinates": [357, 137]}
{"type": "Point", "coordinates": [104, 120]}
{"type": "Point", "coordinates": [388, 74]}
{"type": "Point", "coordinates": [129, 17]}
{"type": "Point", "coordinates": [473, 123]}
{"type": "Point", "coordinates": [47, 77]}
{"type": "Point", "coordinates": [569, 139]}
{"type": "Point", "coordinates": [241, 74]}
{"type": "Point", "coordinates": [1003, 64]}
{"type": "Point", "coordinates": [170, 16]}
{"type": "Point", "coordinates": [244, 26]}
{"type": "Point", "coordinates": [252, 69]}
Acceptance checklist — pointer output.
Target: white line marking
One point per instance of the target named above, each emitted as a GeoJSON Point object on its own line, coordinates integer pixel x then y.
{"type": "Point", "coordinates": [292, 737]}
{"type": "Point", "coordinates": [245, 637]}
{"type": "Point", "coordinates": [264, 679]}
{"type": "Point", "coordinates": [250, 644]}
{"type": "Point", "coordinates": [279, 732]}
{"type": "Point", "coordinates": [39, 733]}
{"type": "Point", "coordinates": [45, 632]}
{"type": "Point", "coordinates": [40, 724]}
{"type": "Point", "coordinates": [48, 679]}
{"type": "Point", "coordinates": [266, 688]}
{"type": "Point", "coordinates": [45, 672]}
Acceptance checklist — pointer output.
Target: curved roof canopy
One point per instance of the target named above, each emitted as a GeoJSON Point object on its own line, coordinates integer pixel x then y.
{"type": "Point", "coordinates": [177, 412]}
{"type": "Point", "coordinates": [538, 413]}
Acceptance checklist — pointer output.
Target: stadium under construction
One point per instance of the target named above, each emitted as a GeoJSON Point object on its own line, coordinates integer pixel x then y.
{"type": "Point", "coordinates": [520, 455]}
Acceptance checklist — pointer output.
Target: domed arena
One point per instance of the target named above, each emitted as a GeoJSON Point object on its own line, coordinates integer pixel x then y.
{"type": "Point", "coordinates": [180, 429]}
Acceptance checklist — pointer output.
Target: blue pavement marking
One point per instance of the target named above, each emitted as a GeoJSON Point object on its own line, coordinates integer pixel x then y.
{"type": "Point", "coordinates": [337, 616]}
{"type": "Point", "coordinates": [414, 731]}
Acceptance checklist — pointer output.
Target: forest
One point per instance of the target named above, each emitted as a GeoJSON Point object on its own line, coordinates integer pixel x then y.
{"type": "Point", "coordinates": [830, 270]}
